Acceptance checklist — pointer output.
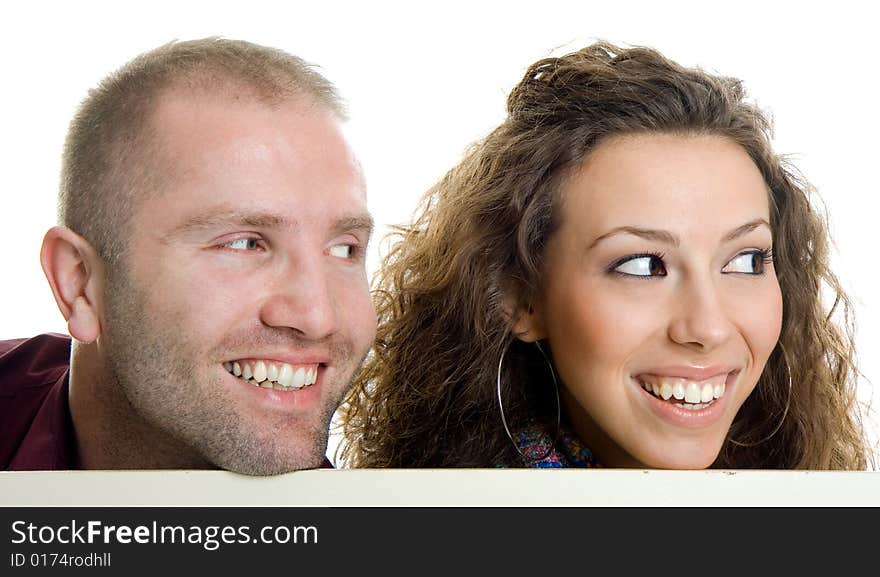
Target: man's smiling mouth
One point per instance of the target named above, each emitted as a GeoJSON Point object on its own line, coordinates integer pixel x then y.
{"type": "Point", "coordinates": [686, 393]}
{"type": "Point", "coordinates": [273, 374]}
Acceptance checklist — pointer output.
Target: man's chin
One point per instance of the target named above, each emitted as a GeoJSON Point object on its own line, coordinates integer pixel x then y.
{"type": "Point", "coordinates": [268, 462]}
{"type": "Point", "coordinates": [272, 471]}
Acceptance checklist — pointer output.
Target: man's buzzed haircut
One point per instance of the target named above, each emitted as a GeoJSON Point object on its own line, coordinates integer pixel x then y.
{"type": "Point", "coordinates": [109, 153]}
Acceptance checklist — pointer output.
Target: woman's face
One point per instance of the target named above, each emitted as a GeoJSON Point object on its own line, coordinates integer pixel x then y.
{"type": "Point", "coordinates": [660, 302]}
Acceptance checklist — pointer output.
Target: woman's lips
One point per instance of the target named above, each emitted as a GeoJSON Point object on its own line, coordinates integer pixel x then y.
{"type": "Point", "coordinates": [690, 398]}
{"type": "Point", "coordinates": [684, 389]}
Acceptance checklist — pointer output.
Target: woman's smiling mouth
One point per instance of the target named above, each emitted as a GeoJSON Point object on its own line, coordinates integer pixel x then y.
{"type": "Point", "coordinates": [693, 392]}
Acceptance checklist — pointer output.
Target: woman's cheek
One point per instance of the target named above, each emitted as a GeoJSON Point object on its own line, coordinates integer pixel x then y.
{"type": "Point", "coordinates": [595, 329]}
{"type": "Point", "coordinates": [762, 320]}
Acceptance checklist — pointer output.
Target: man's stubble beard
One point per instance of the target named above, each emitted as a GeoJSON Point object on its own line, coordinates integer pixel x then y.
{"type": "Point", "coordinates": [153, 364]}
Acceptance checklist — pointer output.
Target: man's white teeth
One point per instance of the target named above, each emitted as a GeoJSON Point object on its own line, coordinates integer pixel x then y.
{"type": "Point", "coordinates": [271, 375]}
{"type": "Point", "coordinates": [285, 375]}
{"type": "Point", "coordinates": [260, 371]}
{"type": "Point", "coordinates": [696, 395]}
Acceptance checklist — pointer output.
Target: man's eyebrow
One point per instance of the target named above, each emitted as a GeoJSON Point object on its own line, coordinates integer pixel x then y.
{"type": "Point", "coordinates": [666, 237]}
{"type": "Point", "coordinates": [229, 217]}
{"type": "Point", "coordinates": [358, 222]}
{"type": "Point", "coordinates": [263, 220]}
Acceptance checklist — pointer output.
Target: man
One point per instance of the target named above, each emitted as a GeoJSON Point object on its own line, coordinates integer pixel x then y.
{"type": "Point", "coordinates": [210, 267]}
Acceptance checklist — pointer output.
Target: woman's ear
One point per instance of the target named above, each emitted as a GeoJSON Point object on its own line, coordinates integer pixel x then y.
{"type": "Point", "coordinates": [528, 323]}
{"type": "Point", "coordinates": [74, 271]}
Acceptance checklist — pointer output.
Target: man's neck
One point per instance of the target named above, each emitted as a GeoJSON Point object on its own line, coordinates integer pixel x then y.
{"type": "Point", "coordinates": [110, 434]}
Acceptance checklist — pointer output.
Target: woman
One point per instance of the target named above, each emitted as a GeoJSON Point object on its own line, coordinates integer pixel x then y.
{"type": "Point", "coordinates": [622, 274]}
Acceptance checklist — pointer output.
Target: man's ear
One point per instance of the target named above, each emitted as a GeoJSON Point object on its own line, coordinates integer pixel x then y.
{"type": "Point", "coordinates": [75, 272]}
{"type": "Point", "coordinates": [528, 323]}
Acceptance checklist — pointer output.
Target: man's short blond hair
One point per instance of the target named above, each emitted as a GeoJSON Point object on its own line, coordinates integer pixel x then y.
{"type": "Point", "coordinates": [108, 157]}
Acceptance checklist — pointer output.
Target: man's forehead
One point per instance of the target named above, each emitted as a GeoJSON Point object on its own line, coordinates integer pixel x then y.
{"type": "Point", "coordinates": [211, 133]}
{"type": "Point", "coordinates": [239, 162]}
{"type": "Point", "coordinates": [175, 108]}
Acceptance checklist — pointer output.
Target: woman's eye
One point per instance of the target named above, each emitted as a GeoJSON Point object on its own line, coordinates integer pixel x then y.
{"type": "Point", "coordinates": [343, 250]}
{"type": "Point", "coordinates": [645, 265]}
{"type": "Point", "coordinates": [243, 244]}
{"type": "Point", "coordinates": [751, 262]}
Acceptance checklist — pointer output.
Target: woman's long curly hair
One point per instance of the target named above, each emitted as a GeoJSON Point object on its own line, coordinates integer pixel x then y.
{"type": "Point", "coordinates": [426, 396]}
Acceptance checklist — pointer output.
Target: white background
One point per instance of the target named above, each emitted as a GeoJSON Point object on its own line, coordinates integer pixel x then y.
{"type": "Point", "coordinates": [425, 79]}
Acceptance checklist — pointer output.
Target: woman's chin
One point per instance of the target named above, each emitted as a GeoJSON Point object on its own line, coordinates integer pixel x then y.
{"type": "Point", "coordinates": [679, 456]}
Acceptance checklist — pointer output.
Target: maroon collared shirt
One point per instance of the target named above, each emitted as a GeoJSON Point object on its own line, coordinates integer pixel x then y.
{"type": "Point", "coordinates": [36, 431]}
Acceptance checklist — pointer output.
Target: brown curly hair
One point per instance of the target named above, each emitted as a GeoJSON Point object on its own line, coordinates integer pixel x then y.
{"type": "Point", "coordinates": [426, 396]}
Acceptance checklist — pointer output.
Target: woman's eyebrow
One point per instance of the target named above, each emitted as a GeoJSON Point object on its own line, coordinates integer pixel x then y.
{"type": "Point", "coordinates": [667, 237]}
{"type": "Point", "coordinates": [645, 233]}
{"type": "Point", "coordinates": [745, 229]}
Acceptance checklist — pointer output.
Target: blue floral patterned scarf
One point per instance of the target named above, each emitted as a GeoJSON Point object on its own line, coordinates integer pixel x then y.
{"type": "Point", "coordinates": [568, 451]}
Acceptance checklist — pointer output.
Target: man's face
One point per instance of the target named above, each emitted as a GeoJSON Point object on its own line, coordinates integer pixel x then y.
{"type": "Point", "coordinates": [249, 260]}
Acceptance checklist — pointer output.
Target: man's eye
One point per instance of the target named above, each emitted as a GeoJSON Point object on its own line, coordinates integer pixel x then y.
{"type": "Point", "coordinates": [243, 244]}
{"type": "Point", "coordinates": [751, 262]}
{"type": "Point", "coordinates": [644, 265]}
{"type": "Point", "coordinates": [343, 250]}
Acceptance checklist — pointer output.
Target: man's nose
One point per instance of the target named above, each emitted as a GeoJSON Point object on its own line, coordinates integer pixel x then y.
{"type": "Point", "coordinates": [301, 298]}
{"type": "Point", "coordinates": [699, 319]}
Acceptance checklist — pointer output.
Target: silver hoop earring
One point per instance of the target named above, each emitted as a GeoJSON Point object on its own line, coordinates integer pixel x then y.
{"type": "Point", "coordinates": [558, 406]}
{"type": "Point", "coordinates": [784, 413]}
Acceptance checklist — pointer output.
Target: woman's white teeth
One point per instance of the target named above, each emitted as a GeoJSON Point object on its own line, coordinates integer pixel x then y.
{"type": "Point", "coordinates": [707, 393]}
{"type": "Point", "coordinates": [695, 394]}
{"type": "Point", "coordinates": [271, 375]}
{"type": "Point", "coordinates": [678, 390]}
